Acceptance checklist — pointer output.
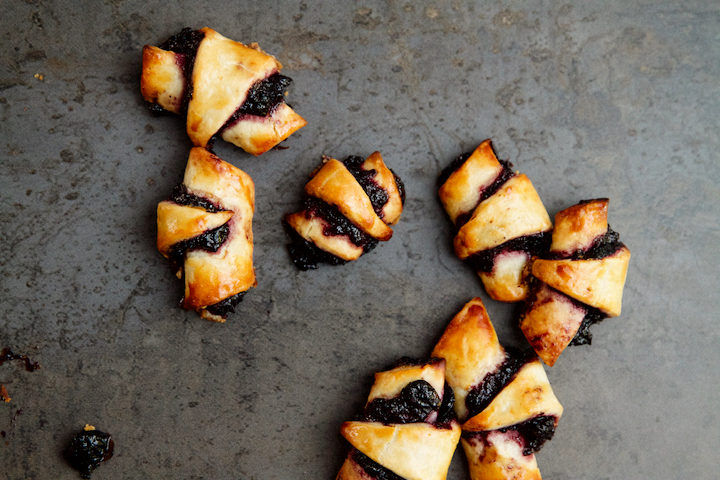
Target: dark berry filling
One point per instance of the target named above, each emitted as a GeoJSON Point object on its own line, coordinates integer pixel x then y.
{"type": "Point", "coordinates": [481, 395]}
{"type": "Point", "coordinates": [7, 355]}
{"type": "Point", "coordinates": [210, 241]}
{"type": "Point", "coordinates": [603, 246]}
{"type": "Point", "coordinates": [414, 403]}
{"type": "Point", "coordinates": [584, 335]}
{"type": "Point", "coordinates": [533, 245]}
{"type": "Point", "coordinates": [400, 186]}
{"type": "Point", "coordinates": [186, 42]}
{"type": "Point", "coordinates": [452, 168]}
{"type": "Point", "coordinates": [181, 196]}
{"type": "Point", "coordinates": [532, 433]}
{"type": "Point", "coordinates": [264, 96]}
{"type": "Point", "coordinates": [305, 255]}
{"type": "Point", "coordinates": [372, 468]}
{"type": "Point", "coordinates": [88, 449]}
{"type": "Point", "coordinates": [227, 306]}
{"type": "Point", "coordinates": [336, 224]}
{"type": "Point", "coordinates": [366, 178]}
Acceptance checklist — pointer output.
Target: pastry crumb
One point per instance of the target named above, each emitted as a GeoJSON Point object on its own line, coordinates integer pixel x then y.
{"type": "Point", "coordinates": [4, 393]}
{"type": "Point", "coordinates": [88, 427]}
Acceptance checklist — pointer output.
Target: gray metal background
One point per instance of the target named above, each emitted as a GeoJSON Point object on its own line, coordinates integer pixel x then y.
{"type": "Point", "coordinates": [617, 99]}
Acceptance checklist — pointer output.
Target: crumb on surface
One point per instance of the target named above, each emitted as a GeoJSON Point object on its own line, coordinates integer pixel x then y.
{"type": "Point", "coordinates": [4, 393]}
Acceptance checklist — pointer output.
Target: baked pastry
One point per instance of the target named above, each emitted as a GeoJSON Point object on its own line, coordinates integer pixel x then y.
{"type": "Point", "coordinates": [222, 87]}
{"type": "Point", "coordinates": [501, 221]}
{"type": "Point", "coordinates": [407, 429]}
{"type": "Point", "coordinates": [205, 228]}
{"type": "Point", "coordinates": [502, 398]}
{"type": "Point", "coordinates": [579, 282]}
{"type": "Point", "coordinates": [349, 207]}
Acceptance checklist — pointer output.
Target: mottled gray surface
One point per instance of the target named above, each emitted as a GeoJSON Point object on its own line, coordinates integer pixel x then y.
{"type": "Point", "coordinates": [617, 99]}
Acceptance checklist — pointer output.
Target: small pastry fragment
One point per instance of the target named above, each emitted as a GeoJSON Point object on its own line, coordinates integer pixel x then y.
{"type": "Point", "coordinates": [407, 429]}
{"type": "Point", "coordinates": [205, 228]}
{"type": "Point", "coordinates": [501, 221]}
{"type": "Point", "coordinates": [222, 87]}
{"type": "Point", "coordinates": [349, 207]}
{"type": "Point", "coordinates": [503, 398]}
{"type": "Point", "coordinates": [578, 283]}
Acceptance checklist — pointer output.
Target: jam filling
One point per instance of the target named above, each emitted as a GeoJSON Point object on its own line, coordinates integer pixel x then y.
{"type": "Point", "coordinates": [210, 241]}
{"type": "Point", "coordinates": [415, 402]}
{"type": "Point", "coordinates": [603, 246]}
{"type": "Point", "coordinates": [263, 97]}
{"type": "Point", "coordinates": [584, 335]}
{"type": "Point", "coordinates": [533, 433]}
{"type": "Point", "coordinates": [372, 468]}
{"type": "Point", "coordinates": [366, 178]}
{"type": "Point", "coordinates": [533, 245]}
{"type": "Point", "coordinates": [305, 255]}
{"type": "Point", "coordinates": [181, 196]}
{"type": "Point", "coordinates": [88, 449]}
{"type": "Point", "coordinates": [7, 355]}
{"type": "Point", "coordinates": [481, 395]}
{"type": "Point", "coordinates": [227, 306]}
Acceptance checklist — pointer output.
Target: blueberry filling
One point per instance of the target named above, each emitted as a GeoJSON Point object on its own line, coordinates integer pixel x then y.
{"type": "Point", "coordinates": [480, 396]}
{"type": "Point", "coordinates": [533, 245]}
{"type": "Point", "coordinates": [533, 433]}
{"type": "Point", "coordinates": [210, 241]}
{"type": "Point", "coordinates": [372, 468]}
{"type": "Point", "coordinates": [227, 306]}
{"type": "Point", "coordinates": [264, 96]}
{"type": "Point", "coordinates": [400, 186]}
{"type": "Point", "coordinates": [584, 335]}
{"type": "Point", "coordinates": [366, 178]}
{"type": "Point", "coordinates": [181, 196]}
{"type": "Point", "coordinates": [305, 255]}
{"type": "Point", "coordinates": [88, 449]}
{"type": "Point", "coordinates": [414, 403]}
{"type": "Point", "coordinates": [603, 246]}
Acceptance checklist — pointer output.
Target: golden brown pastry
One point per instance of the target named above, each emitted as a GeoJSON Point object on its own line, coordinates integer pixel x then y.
{"type": "Point", "coordinates": [407, 429]}
{"type": "Point", "coordinates": [579, 282]}
{"type": "Point", "coordinates": [503, 397]}
{"type": "Point", "coordinates": [349, 207]}
{"type": "Point", "coordinates": [222, 87]}
{"type": "Point", "coordinates": [205, 228]}
{"type": "Point", "coordinates": [501, 221]}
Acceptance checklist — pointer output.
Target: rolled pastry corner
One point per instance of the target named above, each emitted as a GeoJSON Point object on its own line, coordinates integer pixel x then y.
{"type": "Point", "coordinates": [222, 87]}
{"type": "Point", "coordinates": [578, 283]}
{"type": "Point", "coordinates": [501, 221]}
{"type": "Point", "coordinates": [349, 207]}
{"type": "Point", "coordinates": [205, 229]}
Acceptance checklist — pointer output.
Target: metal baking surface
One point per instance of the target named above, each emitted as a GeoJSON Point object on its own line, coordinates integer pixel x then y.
{"type": "Point", "coordinates": [605, 100]}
